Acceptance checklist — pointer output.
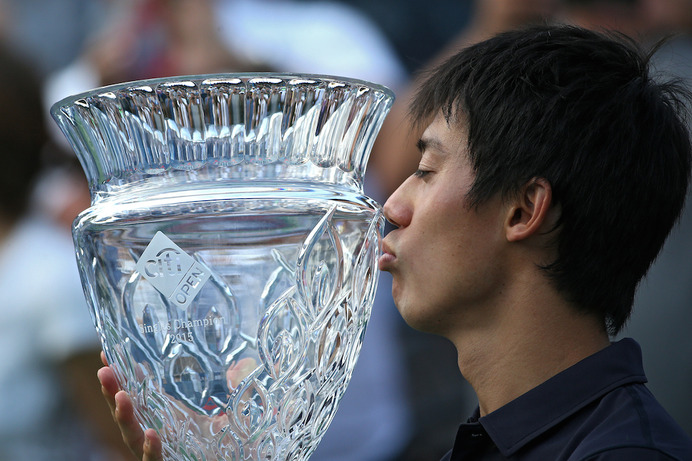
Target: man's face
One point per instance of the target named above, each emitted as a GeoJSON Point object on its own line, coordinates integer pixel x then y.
{"type": "Point", "coordinates": [446, 259]}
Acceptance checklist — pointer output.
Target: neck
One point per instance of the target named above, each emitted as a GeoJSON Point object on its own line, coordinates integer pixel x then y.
{"type": "Point", "coordinates": [536, 336]}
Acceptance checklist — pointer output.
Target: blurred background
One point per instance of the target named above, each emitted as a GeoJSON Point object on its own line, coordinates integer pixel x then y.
{"type": "Point", "coordinates": [407, 396]}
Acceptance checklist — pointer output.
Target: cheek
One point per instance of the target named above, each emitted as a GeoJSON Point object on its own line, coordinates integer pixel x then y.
{"type": "Point", "coordinates": [461, 266]}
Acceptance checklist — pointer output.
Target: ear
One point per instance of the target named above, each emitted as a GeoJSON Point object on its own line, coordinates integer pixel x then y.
{"type": "Point", "coordinates": [529, 210]}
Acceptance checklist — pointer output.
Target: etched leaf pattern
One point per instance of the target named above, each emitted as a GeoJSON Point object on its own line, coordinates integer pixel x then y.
{"type": "Point", "coordinates": [320, 268]}
{"type": "Point", "coordinates": [250, 408]}
{"type": "Point", "coordinates": [282, 336]}
{"type": "Point", "coordinates": [281, 389]}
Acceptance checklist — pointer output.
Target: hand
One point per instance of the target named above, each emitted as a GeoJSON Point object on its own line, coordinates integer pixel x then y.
{"type": "Point", "coordinates": [146, 445]}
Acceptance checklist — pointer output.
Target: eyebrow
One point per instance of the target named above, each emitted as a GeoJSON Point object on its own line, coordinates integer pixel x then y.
{"type": "Point", "coordinates": [424, 144]}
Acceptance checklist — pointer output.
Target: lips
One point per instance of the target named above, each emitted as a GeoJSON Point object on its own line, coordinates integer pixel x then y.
{"type": "Point", "coordinates": [387, 258]}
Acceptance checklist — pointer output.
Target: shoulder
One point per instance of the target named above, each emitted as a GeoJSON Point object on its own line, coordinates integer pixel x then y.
{"type": "Point", "coordinates": [629, 454]}
{"type": "Point", "coordinates": [629, 423]}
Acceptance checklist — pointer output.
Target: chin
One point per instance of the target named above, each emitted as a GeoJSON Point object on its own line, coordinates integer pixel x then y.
{"type": "Point", "coordinates": [414, 316]}
{"type": "Point", "coordinates": [425, 319]}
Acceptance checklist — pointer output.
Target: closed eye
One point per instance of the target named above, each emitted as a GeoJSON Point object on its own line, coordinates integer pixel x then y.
{"type": "Point", "coordinates": [421, 173]}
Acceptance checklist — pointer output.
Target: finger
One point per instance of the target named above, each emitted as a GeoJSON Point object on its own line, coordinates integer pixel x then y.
{"type": "Point", "coordinates": [103, 358]}
{"type": "Point", "coordinates": [109, 387]}
{"type": "Point", "coordinates": [152, 446]}
{"type": "Point", "coordinates": [132, 433]}
{"type": "Point", "coordinates": [107, 378]}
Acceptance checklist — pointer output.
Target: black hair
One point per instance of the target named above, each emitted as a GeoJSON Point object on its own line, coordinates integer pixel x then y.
{"type": "Point", "coordinates": [580, 109]}
{"type": "Point", "coordinates": [22, 133]}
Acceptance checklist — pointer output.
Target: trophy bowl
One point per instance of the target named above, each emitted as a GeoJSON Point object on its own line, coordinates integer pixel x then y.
{"type": "Point", "coordinates": [229, 255]}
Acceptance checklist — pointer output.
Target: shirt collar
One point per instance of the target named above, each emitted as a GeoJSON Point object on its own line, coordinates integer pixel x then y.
{"type": "Point", "coordinates": [515, 424]}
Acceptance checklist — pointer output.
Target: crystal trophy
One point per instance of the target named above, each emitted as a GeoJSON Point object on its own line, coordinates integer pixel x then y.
{"type": "Point", "coordinates": [229, 255]}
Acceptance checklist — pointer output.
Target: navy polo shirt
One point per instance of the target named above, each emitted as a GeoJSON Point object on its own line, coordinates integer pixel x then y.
{"type": "Point", "coordinates": [596, 410]}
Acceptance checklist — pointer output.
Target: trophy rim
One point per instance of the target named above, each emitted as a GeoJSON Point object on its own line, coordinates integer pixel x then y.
{"type": "Point", "coordinates": [220, 76]}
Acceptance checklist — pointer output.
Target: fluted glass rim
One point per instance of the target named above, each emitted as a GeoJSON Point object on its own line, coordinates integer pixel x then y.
{"type": "Point", "coordinates": [315, 128]}
{"type": "Point", "coordinates": [70, 100]}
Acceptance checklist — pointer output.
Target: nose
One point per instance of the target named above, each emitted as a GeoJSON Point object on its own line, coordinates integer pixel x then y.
{"type": "Point", "coordinates": [397, 209]}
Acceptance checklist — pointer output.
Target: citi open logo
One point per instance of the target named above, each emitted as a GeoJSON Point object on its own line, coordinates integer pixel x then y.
{"type": "Point", "coordinates": [174, 273]}
{"type": "Point", "coordinates": [166, 263]}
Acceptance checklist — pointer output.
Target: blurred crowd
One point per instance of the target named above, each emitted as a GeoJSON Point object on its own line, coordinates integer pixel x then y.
{"type": "Point", "coordinates": [405, 400]}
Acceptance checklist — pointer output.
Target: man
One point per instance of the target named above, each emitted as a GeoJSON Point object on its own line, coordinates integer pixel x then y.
{"type": "Point", "coordinates": [552, 169]}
